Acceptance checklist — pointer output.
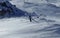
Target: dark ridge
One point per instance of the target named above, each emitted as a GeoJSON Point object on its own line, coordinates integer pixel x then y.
{"type": "Point", "coordinates": [9, 10]}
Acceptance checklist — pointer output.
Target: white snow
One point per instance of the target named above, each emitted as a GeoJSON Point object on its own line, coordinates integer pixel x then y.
{"type": "Point", "coordinates": [42, 27]}
{"type": "Point", "coordinates": [22, 28]}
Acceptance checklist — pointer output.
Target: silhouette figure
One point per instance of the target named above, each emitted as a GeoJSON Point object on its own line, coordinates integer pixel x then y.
{"type": "Point", "coordinates": [30, 18]}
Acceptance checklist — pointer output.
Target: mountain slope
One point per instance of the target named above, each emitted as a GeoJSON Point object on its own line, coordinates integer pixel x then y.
{"type": "Point", "coordinates": [46, 9]}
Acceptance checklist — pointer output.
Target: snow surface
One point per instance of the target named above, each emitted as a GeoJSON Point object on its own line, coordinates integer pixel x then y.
{"type": "Point", "coordinates": [23, 28]}
{"type": "Point", "coordinates": [46, 26]}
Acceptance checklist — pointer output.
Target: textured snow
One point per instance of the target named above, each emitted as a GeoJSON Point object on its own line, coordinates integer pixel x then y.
{"type": "Point", "coordinates": [46, 26]}
{"type": "Point", "coordinates": [22, 28]}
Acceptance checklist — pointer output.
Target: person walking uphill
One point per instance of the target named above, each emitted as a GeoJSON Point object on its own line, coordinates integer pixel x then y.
{"type": "Point", "coordinates": [30, 18]}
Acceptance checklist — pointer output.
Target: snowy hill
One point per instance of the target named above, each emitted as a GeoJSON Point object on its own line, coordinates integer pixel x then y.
{"type": "Point", "coordinates": [47, 25]}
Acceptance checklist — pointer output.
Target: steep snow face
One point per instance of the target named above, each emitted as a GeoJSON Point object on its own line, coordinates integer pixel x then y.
{"type": "Point", "coordinates": [47, 9]}
{"type": "Point", "coordinates": [44, 9]}
{"type": "Point", "coordinates": [41, 8]}
{"type": "Point", "coordinates": [20, 2]}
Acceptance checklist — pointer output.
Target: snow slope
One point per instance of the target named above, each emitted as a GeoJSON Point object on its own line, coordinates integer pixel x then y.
{"type": "Point", "coordinates": [22, 28]}
{"type": "Point", "coordinates": [42, 8]}
{"type": "Point", "coordinates": [46, 26]}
